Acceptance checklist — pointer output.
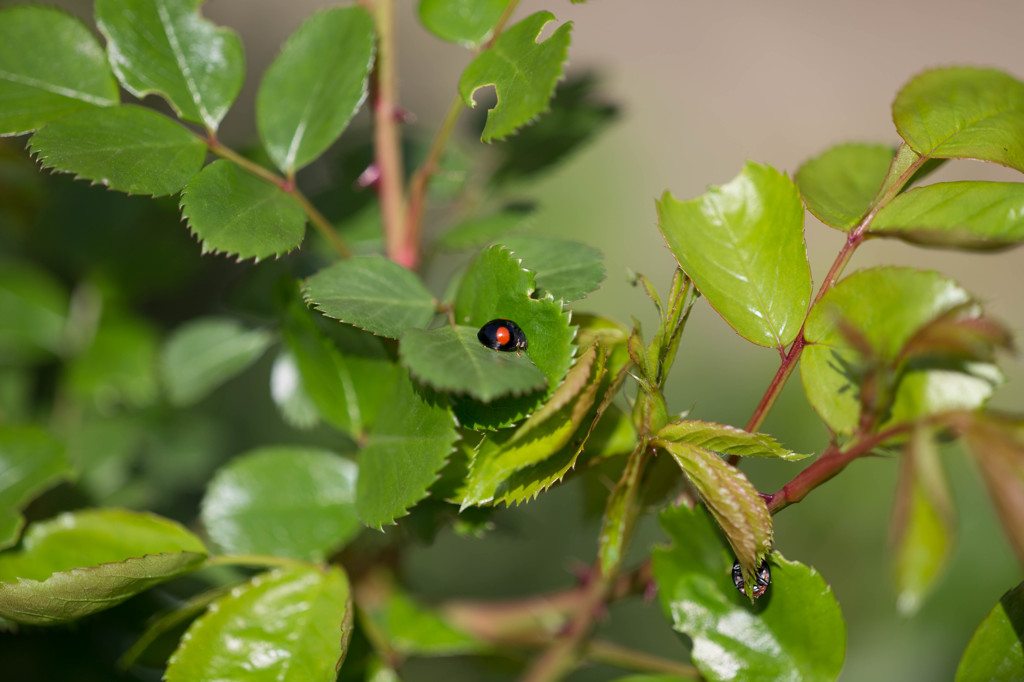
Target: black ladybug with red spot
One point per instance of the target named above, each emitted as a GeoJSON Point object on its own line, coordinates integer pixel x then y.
{"type": "Point", "coordinates": [503, 335]}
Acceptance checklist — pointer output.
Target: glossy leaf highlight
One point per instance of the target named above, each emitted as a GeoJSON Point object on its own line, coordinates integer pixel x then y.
{"type": "Point", "coordinates": [314, 87]}
{"type": "Point", "coordinates": [285, 501]}
{"type": "Point", "coordinates": [165, 48]}
{"type": "Point", "coordinates": [742, 244]}
{"type": "Point", "coordinates": [794, 632]}
{"type": "Point", "coordinates": [288, 625]}
{"type": "Point", "coordinates": [963, 112]}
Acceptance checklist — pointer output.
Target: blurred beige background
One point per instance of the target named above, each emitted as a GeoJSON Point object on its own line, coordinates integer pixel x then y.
{"type": "Point", "coordinates": [703, 87]}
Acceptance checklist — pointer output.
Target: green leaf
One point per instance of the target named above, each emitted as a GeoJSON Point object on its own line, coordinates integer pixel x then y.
{"type": "Point", "coordinates": [522, 71]}
{"type": "Point", "coordinates": [41, 85]}
{"type": "Point", "coordinates": [165, 48]}
{"type": "Point", "coordinates": [496, 286]}
{"type": "Point", "coordinates": [577, 115]}
{"type": "Point", "coordinates": [466, 22]}
{"type": "Point", "coordinates": [83, 562]}
{"type": "Point", "coordinates": [996, 651]}
{"type": "Point", "coordinates": [240, 214]}
{"type": "Point", "coordinates": [979, 215]}
{"type": "Point", "coordinates": [547, 431]}
{"type": "Point", "coordinates": [346, 381]}
{"type": "Point", "coordinates": [372, 293]}
{"type": "Point", "coordinates": [734, 503]}
{"type": "Point", "coordinates": [119, 368]}
{"type": "Point", "coordinates": [288, 625]}
{"type": "Point", "coordinates": [887, 306]}
{"type": "Point", "coordinates": [922, 523]}
{"type": "Point", "coordinates": [480, 231]}
{"type": "Point", "coordinates": [285, 501]}
{"type": "Point", "coordinates": [33, 307]}
{"type": "Point", "coordinates": [164, 630]}
{"type": "Point", "coordinates": [726, 440]}
{"type": "Point", "coordinates": [794, 632]}
{"type": "Point", "coordinates": [31, 461]}
{"type": "Point", "coordinates": [963, 112]}
{"type": "Point", "coordinates": [742, 244]}
{"type": "Point", "coordinates": [406, 450]}
{"type": "Point", "coordinates": [203, 354]}
{"type": "Point", "coordinates": [565, 269]}
{"type": "Point", "coordinates": [289, 393]}
{"type": "Point", "coordinates": [411, 629]}
{"type": "Point", "coordinates": [839, 185]}
{"type": "Point", "coordinates": [452, 359]}
{"type": "Point", "coordinates": [314, 87]}
{"type": "Point", "coordinates": [129, 149]}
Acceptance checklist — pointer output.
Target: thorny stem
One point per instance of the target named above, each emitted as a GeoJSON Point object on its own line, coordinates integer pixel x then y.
{"type": "Point", "coordinates": [387, 141]}
{"type": "Point", "coordinates": [319, 222]}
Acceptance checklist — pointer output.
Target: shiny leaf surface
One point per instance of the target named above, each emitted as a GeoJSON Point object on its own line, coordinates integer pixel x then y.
{"type": "Point", "coordinates": [742, 244]}
{"type": "Point", "coordinates": [794, 632]}
{"type": "Point", "coordinates": [88, 561]}
{"type": "Point", "coordinates": [164, 47]}
{"type": "Point", "coordinates": [980, 215]}
{"type": "Point", "coordinates": [314, 87]}
{"type": "Point", "coordinates": [285, 501]}
{"type": "Point", "coordinates": [288, 625]}
{"type": "Point", "coordinates": [963, 112]}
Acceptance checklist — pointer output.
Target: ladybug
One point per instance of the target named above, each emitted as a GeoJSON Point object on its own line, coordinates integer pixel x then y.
{"type": "Point", "coordinates": [764, 578]}
{"type": "Point", "coordinates": [504, 335]}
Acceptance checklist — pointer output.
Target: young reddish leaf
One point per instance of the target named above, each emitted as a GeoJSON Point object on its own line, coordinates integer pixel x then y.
{"type": "Point", "coordinates": [407, 448]}
{"type": "Point", "coordinates": [732, 500]}
{"type": "Point", "coordinates": [283, 501]}
{"type": "Point", "coordinates": [83, 562]}
{"type": "Point", "coordinates": [165, 48]}
{"type": "Point", "coordinates": [31, 461]}
{"type": "Point", "coordinates": [742, 244]}
{"type": "Point", "coordinates": [996, 652]}
{"type": "Point", "coordinates": [452, 359]}
{"type": "Point", "coordinates": [963, 112]}
{"type": "Point", "coordinates": [886, 306]}
{"type": "Point", "coordinates": [516, 52]}
{"type": "Point", "coordinates": [466, 22]}
{"type": "Point", "coordinates": [129, 149]}
{"type": "Point", "coordinates": [727, 440]}
{"type": "Point", "coordinates": [288, 625]}
{"type": "Point", "coordinates": [922, 523]}
{"type": "Point", "coordinates": [41, 85]}
{"type": "Point", "coordinates": [839, 185]}
{"type": "Point", "coordinates": [315, 86]}
{"type": "Point", "coordinates": [999, 452]}
{"type": "Point", "coordinates": [239, 214]}
{"type": "Point", "coordinates": [961, 215]}
{"type": "Point", "coordinates": [961, 332]}
{"type": "Point", "coordinates": [794, 632]}
{"type": "Point", "coordinates": [372, 293]}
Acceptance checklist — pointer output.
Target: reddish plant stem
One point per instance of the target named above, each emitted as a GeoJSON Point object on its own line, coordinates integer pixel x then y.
{"type": "Point", "coordinates": [387, 141]}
